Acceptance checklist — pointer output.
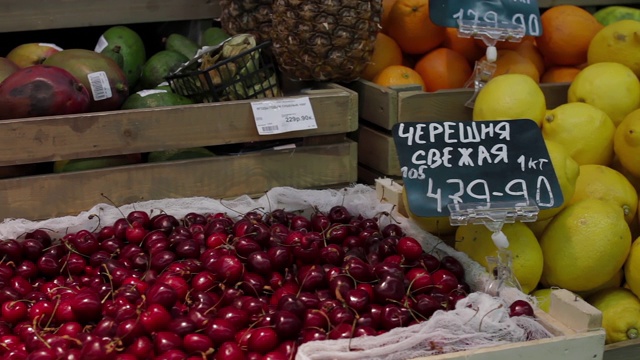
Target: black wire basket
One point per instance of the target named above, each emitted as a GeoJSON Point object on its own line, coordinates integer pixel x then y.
{"type": "Point", "coordinates": [251, 74]}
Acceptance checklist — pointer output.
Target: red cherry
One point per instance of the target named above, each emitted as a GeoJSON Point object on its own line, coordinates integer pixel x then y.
{"type": "Point", "coordinates": [520, 308]}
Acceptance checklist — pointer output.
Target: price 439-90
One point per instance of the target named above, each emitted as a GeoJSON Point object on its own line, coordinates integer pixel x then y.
{"type": "Point", "coordinates": [479, 190]}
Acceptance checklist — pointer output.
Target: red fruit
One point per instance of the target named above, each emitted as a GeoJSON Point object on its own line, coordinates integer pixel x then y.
{"type": "Point", "coordinates": [41, 90]}
{"type": "Point", "coordinates": [229, 351]}
{"type": "Point", "coordinates": [155, 318]}
{"type": "Point", "coordinates": [14, 311]}
{"type": "Point", "coordinates": [520, 308]}
{"type": "Point", "coordinates": [262, 340]}
{"type": "Point", "coordinates": [410, 248]}
{"type": "Point", "coordinates": [444, 281]}
{"type": "Point", "coordinates": [86, 305]}
{"type": "Point", "coordinates": [197, 343]}
{"type": "Point", "coordinates": [419, 280]}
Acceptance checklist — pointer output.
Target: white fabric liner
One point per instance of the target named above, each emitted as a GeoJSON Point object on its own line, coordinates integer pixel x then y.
{"type": "Point", "coordinates": [480, 320]}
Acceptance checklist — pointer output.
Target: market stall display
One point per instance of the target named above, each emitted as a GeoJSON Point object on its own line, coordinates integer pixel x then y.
{"type": "Point", "coordinates": [162, 166]}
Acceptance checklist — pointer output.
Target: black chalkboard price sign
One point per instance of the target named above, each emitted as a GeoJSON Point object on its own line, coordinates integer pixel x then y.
{"type": "Point", "coordinates": [481, 162]}
{"type": "Point", "coordinates": [495, 13]}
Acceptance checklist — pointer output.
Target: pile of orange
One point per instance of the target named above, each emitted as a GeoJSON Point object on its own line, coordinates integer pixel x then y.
{"type": "Point", "coordinates": [412, 50]}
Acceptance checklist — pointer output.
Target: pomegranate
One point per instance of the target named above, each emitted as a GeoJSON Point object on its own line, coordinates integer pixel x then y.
{"type": "Point", "coordinates": [41, 90]}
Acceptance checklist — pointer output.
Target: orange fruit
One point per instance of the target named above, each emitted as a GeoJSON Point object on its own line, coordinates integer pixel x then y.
{"type": "Point", "coordinates": [528, 49]}
{"type": "Point", "coordinates": [468, 47]}
{"type": "Point", "coordinates": [567, 31]}
{"type": "Point", "coordinates": [386, 9]}
{"type": "Point", "coordinates": [443, 68]}
{"type": "Point", "coordinates": [410, 26]}
{"type": "Point", "coordinates": [386, 52]}
{"type": "Point", "coordinates": [506, 45]}
{"type": "Point", "coordinates": [510, 62]}
{"type": "Point", "coordinates": [558, 74]}
{"type": "Point", "coordinates": [395, 75]}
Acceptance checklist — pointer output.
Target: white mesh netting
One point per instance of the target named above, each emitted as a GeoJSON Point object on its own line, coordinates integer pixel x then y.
{"type": "Point", "coordinates": [478, 321]}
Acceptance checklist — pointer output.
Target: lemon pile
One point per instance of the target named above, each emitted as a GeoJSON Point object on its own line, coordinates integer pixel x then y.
{"type": "Point", "coordinates": [591, 244]}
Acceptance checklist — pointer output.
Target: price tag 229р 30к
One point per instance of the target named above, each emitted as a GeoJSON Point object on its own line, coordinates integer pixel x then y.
{"type": "Point", "coordinates": [480, 162]}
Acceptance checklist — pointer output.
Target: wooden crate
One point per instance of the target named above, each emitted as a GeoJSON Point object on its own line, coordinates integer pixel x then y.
{"type": "Point", "coordinates": [624, 350]}
{"type": "Point", "coordinates": [326, 157]}
{"type": "Point", "coordinates": [380, 108]}
{"type": "Point", "coordinates": [16, 15]}
{"type": "Point", "coordinates": [576, 325]}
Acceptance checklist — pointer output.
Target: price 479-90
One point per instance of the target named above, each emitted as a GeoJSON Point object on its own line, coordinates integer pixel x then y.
{"type": "Point", "coordinates": [478, 190]}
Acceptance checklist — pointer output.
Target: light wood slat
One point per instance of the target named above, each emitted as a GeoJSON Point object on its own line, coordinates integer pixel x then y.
{"type": "Point", "coordinates": [54, 195]}
{"type": "Point", "coordinates": [21, 15]}
{"type": "Point", "coordinates": [131, 131]}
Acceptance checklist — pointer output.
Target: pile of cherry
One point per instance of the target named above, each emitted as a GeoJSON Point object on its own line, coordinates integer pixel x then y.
{"type": "Point", "coordinates": [207, 286]}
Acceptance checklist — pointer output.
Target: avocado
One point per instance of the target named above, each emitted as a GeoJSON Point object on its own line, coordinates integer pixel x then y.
{"type": "Point", "coordinates": [181, 44]}
{"type": "Point", "coordinates": [213, 36]}
{"type": "Point", "coordinates": [131, 47]}
{"type": "Point", "coordinates": [92, 163]}
{"type": "Point", "coordinates": [159, 66]}
{"type": "Point", "coordinates": [153, 98]}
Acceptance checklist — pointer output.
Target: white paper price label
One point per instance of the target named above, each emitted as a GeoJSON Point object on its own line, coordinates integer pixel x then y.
{"type": "Point", "coordinates": [283, 115]}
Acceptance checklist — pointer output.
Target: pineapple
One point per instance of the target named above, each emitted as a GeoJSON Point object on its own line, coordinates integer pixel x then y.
{"type": "Point", "coordinates": [324, 40]}
{"type": "Point", "coordinates": [247, 17]}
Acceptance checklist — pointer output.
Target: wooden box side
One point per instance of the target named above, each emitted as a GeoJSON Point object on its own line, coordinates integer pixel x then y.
{"type": "Point", "coordinates": [449, 105]}
{"type": "Point", "coordinates": [379, 104]}
{"type": "Point", "coordinates": [16, 15]}
{"type": "Point", "coordinates": [54, 195]}
{"type": "Point", "coordinates": [377, 150]}
{"type": "Point", "coordinates": [131, 131]}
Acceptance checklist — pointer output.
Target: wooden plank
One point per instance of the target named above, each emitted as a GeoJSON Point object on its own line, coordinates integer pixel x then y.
{"type": "Point", "coordinates": [573, 311]}
{"type": "Point", "coordinates": [450, 104]}
{"type": "Point", "coordinates": [550, 3]}
{"type": "Point", "coordinates": [573, 347]}
{"type": "Point", "coordinates": [377, 104]}
{"type": "Point", "coordinates": [385, 107]}
{"type": "Point", "coordinates": [46, 196]}
{"type": "Point", "coordinates": [131, 131]}
{"type": "Point", "coordinates": [16, 15]}
{"type": "Point", "coordinates": [624, 350]}
{"type": "Point", "coordinates": [377, 150]}
{"type": "Point", "coordinates": [585, 341]}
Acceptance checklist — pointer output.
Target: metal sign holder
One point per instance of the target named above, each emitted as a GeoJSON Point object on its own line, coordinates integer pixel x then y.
{"type": "Point", "coordinates": [490, 35]}
{"type": "Point", "coordinates": [494, 216]}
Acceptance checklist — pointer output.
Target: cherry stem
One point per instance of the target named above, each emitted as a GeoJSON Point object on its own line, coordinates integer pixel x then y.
{"type": "Point", "coordinates": [488, 312]}
{"type": "Point", "coordinates": [36, 325]}
{"type": "Point", "coordinates": [97, 225]}
{"type": "Point", "coordinates": [117, 208]}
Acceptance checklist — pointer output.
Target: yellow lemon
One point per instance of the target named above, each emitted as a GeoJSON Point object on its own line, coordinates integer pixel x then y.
{"type": "Point", "coordinates": [620, 313]}
{"type": "Point", "coordinates": [585, 245]}
{"type": "Point", "coordinates": [609, 86]}
{"type": "Point", "coordinates": [584, 130]}
{"type": "Point", "coordinates": [626, 143]}
{"type": "Point", "coordinates": [508, 97]}
{"type": "Point", "coordinates": [538, 226]}
{"type": "Point", "coordinates": [438, 226]}
{"type": "Point", "coordinates": [632, 268]}
{"type": "Point", "coordinates": [616, 165]}
{"type": "Point", "coordinates": [605, 183]}
{"type": "Point", "coordinates": [567, 170]}
{"type": "Point", "coordinates": [475, 241]}
{"type": "Point", "coordinates": [544, 298]}
{"type": "Point", "coordinates": [617, 42]}
{"type": "Point", "coordinates": [614, 282]}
